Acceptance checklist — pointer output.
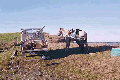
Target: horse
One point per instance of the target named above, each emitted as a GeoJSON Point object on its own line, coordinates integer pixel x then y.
{"type": "Point", "coordinates": [66, 34]}
{"type": "Point", "coordinates": [79, 36]}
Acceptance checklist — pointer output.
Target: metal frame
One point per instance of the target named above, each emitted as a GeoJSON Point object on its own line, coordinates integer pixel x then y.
{"type": "Point", "coordinates": [33, 41]}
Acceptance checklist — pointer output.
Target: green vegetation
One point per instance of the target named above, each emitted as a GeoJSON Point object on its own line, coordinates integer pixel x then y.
{"type": "Point", "coordinates": [62, 65]}
{"type": "Point", "coordinates": [8, 37]}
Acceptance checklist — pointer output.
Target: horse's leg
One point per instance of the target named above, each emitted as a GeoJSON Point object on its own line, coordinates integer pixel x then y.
{"type": "Point", "coordinates": [69, 40]}
{"type": "Point", "coordinates": [86, 47]}
{"type": "Point", "coordinates": [81, 45]}
{"type": "Point", "coordinates": [82, 48]}
{"type": "Point", "coordinates": [67, 43]}
{"type": "Point", "coordinates": [66, 47]}
{"type": "Point", "coordinates": [78, 42]}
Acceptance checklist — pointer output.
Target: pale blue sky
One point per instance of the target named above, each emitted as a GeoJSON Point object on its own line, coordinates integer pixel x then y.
{"type": "Point", "coordinates": [99, 18]}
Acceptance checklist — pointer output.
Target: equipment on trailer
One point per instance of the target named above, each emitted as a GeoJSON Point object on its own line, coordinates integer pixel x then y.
{"type": "Point", "coordinates": [33, 40]}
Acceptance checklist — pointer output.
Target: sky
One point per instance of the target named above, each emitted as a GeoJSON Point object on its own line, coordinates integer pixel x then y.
{"type": "Point", "coordinates": [99, 18]}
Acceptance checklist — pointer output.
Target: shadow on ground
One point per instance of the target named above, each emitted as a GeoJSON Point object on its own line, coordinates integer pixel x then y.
{"type": "Point", "coordinates": [61, 53]}
{"type": "Point", "coordinates": [99, 49]}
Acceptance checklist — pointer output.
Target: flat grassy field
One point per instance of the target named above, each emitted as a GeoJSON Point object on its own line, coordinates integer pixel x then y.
{"type": "Point", "coordinates": [62, 65]}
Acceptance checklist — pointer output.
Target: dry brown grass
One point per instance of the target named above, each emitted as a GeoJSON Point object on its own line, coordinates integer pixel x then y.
{"type": "Point", "coordinates": [73, 66]}
{"type": "Point", "coordinates": [63, 64]}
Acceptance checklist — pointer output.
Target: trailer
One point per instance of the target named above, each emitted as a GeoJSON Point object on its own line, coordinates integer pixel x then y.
{"type": "Point", "coordinates": [33, 40]}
